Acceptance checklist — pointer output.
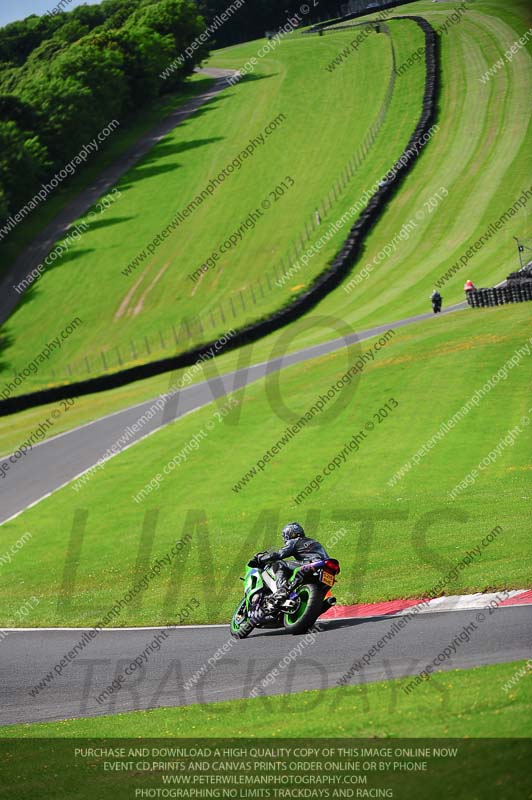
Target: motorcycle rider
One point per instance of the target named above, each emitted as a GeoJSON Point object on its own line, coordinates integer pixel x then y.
{"type": "Point", "coordinates": [297, 546]}
{"type": "Point", "coordinates": [436, 300]}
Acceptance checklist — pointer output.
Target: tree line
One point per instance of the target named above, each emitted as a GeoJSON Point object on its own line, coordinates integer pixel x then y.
{"type": "Point", "coordinates": [65, 76]}
{"type": "Point", "coordinates": [258, 16]}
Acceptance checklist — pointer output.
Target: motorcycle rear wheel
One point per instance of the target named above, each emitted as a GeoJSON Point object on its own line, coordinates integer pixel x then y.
{"type": "Point", "coordinates": [308, 611]}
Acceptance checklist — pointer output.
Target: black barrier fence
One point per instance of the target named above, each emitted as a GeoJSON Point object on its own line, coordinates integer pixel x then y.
{"type": "Point", "coordinates": [500, 295]}
{"type": "Point", "coordinates": [523, 274]}
{"type": "Point", "coordinates": [321, 286]}
{"type": "Point", "coordinates": [403, 769]}
{"type": "Point", "coordinates": [517, 289]}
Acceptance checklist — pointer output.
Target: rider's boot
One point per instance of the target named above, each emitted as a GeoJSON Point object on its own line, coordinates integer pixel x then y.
{"type": "Point", "coordinates": [283, 590]}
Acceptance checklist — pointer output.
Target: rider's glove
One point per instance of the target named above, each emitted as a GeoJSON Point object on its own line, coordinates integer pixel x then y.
{"type": "Point", "coordinates": [261, 559]}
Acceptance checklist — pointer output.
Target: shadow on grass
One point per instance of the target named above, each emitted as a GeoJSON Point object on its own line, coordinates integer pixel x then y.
{"type": "Point", "coordinates": [148, 167]}
{"type": "Point", "coordinates": [6, 340]}
{"type": "Point", "coordinates": [252, 78]}
{"type": "Point", "coordinates": [174, 148]}
{"type": "Point", "coordinates": [97, 224]}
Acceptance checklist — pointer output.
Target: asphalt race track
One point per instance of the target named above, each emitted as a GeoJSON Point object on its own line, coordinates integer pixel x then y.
{"type": "Point", "coordinates": [57, 461]}
{"type": "Point", "coordinates": [27, 656]}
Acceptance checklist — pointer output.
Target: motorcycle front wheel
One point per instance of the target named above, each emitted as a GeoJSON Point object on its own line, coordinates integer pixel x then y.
{"type": "Point", "coordinates": [240, 624]}
{"type": "Point", "coordinates": [308, 610]}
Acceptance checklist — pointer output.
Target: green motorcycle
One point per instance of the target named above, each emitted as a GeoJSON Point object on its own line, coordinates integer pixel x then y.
{"type": "Point", "coordinates": [310, 596]}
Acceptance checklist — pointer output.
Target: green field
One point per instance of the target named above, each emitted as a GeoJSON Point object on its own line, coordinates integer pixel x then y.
{"type": "Point", "coordinates": [452, 704]}
{"type": "Point", "coordinates": [308, 150]}
{"type": "Point", "coordinates": [481, 157]}
{"type": "Point", "coordinates": [430, 369]}
{"type": "Point", "coordinates": [457, 704]}
{"type": "Point", "coordinates": [400, 509]}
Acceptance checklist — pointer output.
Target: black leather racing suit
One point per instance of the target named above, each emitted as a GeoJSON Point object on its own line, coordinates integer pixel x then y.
{"type": "Point", "coordinates": [436, 299]}
{"type": "Point", "coordinates": [303, 550]}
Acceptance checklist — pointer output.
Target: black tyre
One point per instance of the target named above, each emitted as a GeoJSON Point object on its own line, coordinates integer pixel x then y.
{"type": "Point", "coordinates": [240, 624]}
{"type": "Point", "coordinates": [308, 611]}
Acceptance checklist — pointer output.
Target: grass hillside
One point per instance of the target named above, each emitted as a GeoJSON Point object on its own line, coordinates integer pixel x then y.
{"type": "Point", "coordinates": [481, 156]}
{"type": "Point", "coordinates": [479, 164]}
{"type": "Point", "coordinates": [322, 118]}
{"type": "Point", "coordinates": [429, 369]}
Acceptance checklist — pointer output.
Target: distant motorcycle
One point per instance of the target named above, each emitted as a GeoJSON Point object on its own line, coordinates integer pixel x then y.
{"type": "Point", "coordinates": [436, 302]}
{"type": "Point", "coordinates": [309, 598]}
